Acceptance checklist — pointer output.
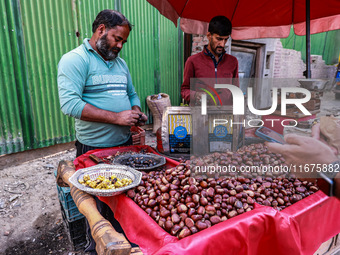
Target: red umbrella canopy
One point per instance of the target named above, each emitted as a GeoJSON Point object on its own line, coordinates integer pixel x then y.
{"type": "Point", "coordinates": [253, 18]}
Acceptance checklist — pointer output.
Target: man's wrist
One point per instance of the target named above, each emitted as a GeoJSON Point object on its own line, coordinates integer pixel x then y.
{"type": "Point", "coordinates": [136, 108]}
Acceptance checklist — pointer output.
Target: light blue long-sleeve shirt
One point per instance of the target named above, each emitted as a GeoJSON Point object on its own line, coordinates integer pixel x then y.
{"type": "Point", "coordinates": [85, 77]}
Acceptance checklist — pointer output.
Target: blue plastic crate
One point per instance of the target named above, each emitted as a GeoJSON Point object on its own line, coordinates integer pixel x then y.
{"type": "Point", "coordinates": [73, 214]}
{"type": "Point", "coordinates": [65, 197]}
{"type": "Point", "coordinates": [76, 231]}
{"type": "Point", "coordinates": [71, 210]}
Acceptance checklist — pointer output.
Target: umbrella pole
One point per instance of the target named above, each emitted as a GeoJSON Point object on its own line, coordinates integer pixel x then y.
{"type": "Point", "coordinates": [308, 70]}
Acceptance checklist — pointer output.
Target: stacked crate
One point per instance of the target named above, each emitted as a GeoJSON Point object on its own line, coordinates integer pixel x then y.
{"type": "Point", "coordinates": [74, 221]}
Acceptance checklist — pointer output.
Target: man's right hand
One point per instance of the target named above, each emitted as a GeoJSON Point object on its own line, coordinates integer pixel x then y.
{"type": "Point", "coordinates": [127, 118]}
{"type": "Point", "coordinates": [198, 98]}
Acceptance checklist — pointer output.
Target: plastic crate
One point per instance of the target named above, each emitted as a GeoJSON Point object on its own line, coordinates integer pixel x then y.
{"type": "Point", "coordinates": [76, 231]}
{"type": "Point", "coordinates": [138, 135]}
{"type": "Point", "coordinates": [70, 208]}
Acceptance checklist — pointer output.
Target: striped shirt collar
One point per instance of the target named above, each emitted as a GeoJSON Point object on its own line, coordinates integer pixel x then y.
{"type": "Point", "coordinates": [208, 53]}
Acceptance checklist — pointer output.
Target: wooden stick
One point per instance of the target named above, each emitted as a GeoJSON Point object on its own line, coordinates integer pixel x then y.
{"type": "Point", "coordinates": [95, 159]}
{"type": "Point", "coordinates": [108, 240]}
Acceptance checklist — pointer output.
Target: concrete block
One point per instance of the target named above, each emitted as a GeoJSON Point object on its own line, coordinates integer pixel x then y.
{"type": "Point", "coordinates": [196, 39]}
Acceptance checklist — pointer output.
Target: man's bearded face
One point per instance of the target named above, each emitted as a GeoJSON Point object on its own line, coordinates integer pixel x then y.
{"type": "Point", "coordinates": [105, 49]}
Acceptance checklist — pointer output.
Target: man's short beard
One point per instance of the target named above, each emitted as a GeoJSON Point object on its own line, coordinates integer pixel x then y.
{"type": "Point", "coordinates": [214, 49]}
{"type": "Point", "coordinates": [104, 48]}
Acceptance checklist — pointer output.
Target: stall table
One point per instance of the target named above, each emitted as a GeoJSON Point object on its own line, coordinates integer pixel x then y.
{"type": "Point", "coordinates": [299, 229]}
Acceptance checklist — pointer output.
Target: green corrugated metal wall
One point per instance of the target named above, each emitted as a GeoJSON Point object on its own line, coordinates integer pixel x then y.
{"type": "Point", "coordinates": [37, 33]}
{"type": "Point", "coordinates": [326, 44]}
{"type": "Point", "coordinates": [48, 29]}
{"type": "Point", "coordinates": [159, 44]}
{"type": "Point", "coordinates": [144, 38]}
{"type": "Point", "coordinates": [170, 68]}
{"type": "Point", "coordinates": [14, 118]}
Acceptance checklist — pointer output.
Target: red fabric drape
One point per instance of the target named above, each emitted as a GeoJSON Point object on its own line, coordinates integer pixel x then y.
{"type": "Point", "coordinates": [298, 229]}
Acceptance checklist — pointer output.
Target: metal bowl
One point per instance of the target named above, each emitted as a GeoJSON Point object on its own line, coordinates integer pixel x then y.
{"type": "Point", "coordinates": [313, 84]}
{"type": "Point", "coordinates": [124, 158]}
{"type": "Point", "coordinates": [106, 170]}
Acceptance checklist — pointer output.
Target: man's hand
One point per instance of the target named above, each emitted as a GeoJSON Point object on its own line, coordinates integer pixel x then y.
{"type": "Point", "coordinates": [127, 118]}
{"type": "Point", "coordinates": [142, 117]}
{"type": "Point", "coordinates": [141, 120]}
{"type": "Point", "coordinates": [198, 98]}
{"type": "Point", "coordinates": [301, 150]}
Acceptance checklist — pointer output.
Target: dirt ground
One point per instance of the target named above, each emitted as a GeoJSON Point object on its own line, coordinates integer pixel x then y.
{"type": "Point", "coordinates": [29, 208]}
{"type": "Point", "coordinates": [30, 215]}
{"type": "Point", "coordinates": [30, 218]}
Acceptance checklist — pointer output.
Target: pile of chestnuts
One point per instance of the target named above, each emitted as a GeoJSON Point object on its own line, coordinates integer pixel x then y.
{"type": "Point", "coordinates": [183, 204]}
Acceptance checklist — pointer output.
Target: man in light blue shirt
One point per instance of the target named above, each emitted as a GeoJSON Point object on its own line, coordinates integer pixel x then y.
{"type": "Point", "coordinates": [95, 88]}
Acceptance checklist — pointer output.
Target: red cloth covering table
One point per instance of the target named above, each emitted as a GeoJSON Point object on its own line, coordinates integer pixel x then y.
{"type": "Point", "coordinates": [298, 229]}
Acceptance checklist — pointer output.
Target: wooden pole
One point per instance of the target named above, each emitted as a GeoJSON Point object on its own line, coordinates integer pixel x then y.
{"type": "Point", "coordinates": [108, 240]}
{"type": "Point", "coordinates": [308, 69]}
